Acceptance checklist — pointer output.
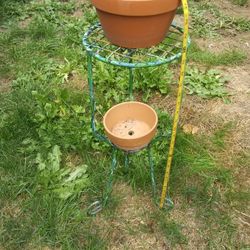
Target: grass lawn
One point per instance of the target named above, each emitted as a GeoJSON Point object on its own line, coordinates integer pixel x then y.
{"type": "Point", "coordinates": [52, 168]}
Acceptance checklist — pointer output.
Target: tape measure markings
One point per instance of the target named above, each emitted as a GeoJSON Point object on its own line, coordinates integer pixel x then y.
{"type": "Point", "coordinates": [178, 104]}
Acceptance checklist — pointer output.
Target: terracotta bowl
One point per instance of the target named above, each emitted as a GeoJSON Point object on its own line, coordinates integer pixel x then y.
{"type": "Point", "coordinates": [136, 23]}
{"type": "Point", "coordinates": [130, 125]}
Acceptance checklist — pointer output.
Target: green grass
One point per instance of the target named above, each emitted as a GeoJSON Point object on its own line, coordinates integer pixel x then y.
{"type": "Point", "coordinates": [239, 196]}
{"type": "Point", "coordinates": [240, 2]}
{"type": "Point", "coordinates": [209, 21]}
{"type": "Point", "coordinates": [221, 134]}
{"type": "Point", "coordinates": [230, 57]}
{"type": "Point", "coordinates": [42, 111]}
{"type": "Point", "coordinates": [171, 230]}
{"type": "Point", "coordinates": [43, 219]}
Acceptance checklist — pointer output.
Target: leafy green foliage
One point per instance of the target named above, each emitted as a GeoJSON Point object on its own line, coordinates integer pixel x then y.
{"type": "Point", "coordinates": [112, 83]}
{"type": "Point", "coordinates": [206, 84]}
{"type": "Point", "coordinates": [64, 183]}
{"type": "Point", "coordinates": [12, 9]}
{"type": "Point", "coordinates": [209, 21]}
{"type": "Point", "coordinates": [59, 121]}
{"type": "Point", "coordinates": [153, 79]}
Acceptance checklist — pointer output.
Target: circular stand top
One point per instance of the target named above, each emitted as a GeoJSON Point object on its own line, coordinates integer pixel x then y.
{"type": "Point", "coordinates": [168, 50]}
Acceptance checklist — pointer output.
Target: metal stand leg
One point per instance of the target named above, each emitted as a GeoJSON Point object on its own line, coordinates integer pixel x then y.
{"type": "Point", "coordinates": [126, 161]}
{"type": "Point", "coordinates": [91, 91]}
{"type": "Point", "coordinates": [151, 171]}
{"type": "Point", "coordinates": [131, 84]}
{"type": "Point", "coordinates": [98, 205]}
{"type": "Point", "coordinates": [110, 181]}
{"type": "Point", "coordinates": [169, 203]}
{"type": "Point", "coordinates": [92, 100]}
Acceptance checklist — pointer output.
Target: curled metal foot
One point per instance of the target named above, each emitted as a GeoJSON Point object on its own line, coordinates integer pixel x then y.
{"type": "Point", "coordinates": [151, 164]}
{"type": "Point", "coordinates": [169, 203]}
{"type": "Point", "coordinates": [95, 208]}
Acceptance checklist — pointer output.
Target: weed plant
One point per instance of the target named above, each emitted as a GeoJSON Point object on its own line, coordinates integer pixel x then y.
{"type": "Point", "coordinates": [209, 21]}
{"type": "Point", "coordinates": [206, 84]}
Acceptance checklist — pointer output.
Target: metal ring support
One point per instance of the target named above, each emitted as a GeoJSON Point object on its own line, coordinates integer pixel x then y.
{"type": "Point", "coordinates": [168, 50]}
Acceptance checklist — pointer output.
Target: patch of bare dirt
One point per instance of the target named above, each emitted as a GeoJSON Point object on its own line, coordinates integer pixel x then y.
{"type": "Point", "coordinates": [33, 246]}
{"type": "Point", "coordinates": [208, 115]}
{"type": "Point", "coordinates": [82, 1]}
{"type": "Point", "coordinates": [11, 209]}
{"type": "Point", "coordinates": [72, 160]}
{"type": "Point", "coordinates": [78, 13]}
{"type": "Point", "coordinates": [124, 229]}
{"type": "Point", "coordinates": [240, 42]}
{"type": "Point", "coordinates": [5, 85]}
{"type": "Point", "coordinates": [193, 112]}
{"type": "Point", "coordinates": [242, 220]}
{"type": "Point", "coordinates": [231, 9]}
{"type": "Point", "coordinates": [2, 29]}
{"type": "Point", "coordinates": [179, 20]}
{"type": "Point", "coordinates": [25, 23]}
{"type": "Point", "coordinates": [187, 218]}
{"type": "Point", "coordinates": [76, 81]}
{"type": "Point", "coordinates": [238, 110]}
{"type": "Point", "coordinates": [132, 227]}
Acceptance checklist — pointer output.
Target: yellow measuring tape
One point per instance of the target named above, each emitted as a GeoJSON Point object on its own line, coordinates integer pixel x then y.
{"type": "Point", "coordinates": [178, 103]}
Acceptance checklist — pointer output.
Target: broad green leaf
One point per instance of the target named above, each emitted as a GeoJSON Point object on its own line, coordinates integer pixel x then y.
{"type": "Point", "coordinates": [54, 158]}
{"type": "Point", "coordinates": [78, 172]}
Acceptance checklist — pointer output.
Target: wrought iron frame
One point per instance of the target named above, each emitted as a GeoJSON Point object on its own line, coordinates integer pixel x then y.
{"type": "Point", "coordinates": [98, 47]}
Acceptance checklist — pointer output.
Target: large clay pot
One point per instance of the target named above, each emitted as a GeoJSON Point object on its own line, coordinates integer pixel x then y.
{"type": "Point", "coordinates": [130, 125]}
{"type": "Point", "coordinates": [136, 23]}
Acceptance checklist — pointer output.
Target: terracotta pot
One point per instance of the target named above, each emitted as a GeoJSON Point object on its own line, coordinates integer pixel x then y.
{"type": "Point", "coordinates": [130, 125]}
{"type": "Point", "coordinates": [136, 23]}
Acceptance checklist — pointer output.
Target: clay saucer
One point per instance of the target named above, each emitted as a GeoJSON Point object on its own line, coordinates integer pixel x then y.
{"type": "Point", "coordinates": [130, 125]}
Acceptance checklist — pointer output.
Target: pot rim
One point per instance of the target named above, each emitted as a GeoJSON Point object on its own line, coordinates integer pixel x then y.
{"type": "Point", "coordinates": [136, 7]}
{"type": "Point", "coordinates": [134, 138]}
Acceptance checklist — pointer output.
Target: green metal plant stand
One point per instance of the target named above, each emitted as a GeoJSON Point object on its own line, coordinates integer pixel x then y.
{"type": "Point", "coordinates": [99, 48]}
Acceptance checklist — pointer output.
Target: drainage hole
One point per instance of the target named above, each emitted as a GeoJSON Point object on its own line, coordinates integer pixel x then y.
{"type": "Point", "coordinates": [131, 132]}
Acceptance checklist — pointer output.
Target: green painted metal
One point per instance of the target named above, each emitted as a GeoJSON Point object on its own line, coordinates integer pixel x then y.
{"type": "Point", "coordinates": [108, 190]}
{"type": "Point", "coordinates": [131, 84]}
{"type": "Point", "coordinates": [92, 101]}
{"type": "Point", "coordinates": [152, 174]}
{"type": "Point", "coordinates": [169, 50]}
{"type": "Point", "coordinates": [96, 46]}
